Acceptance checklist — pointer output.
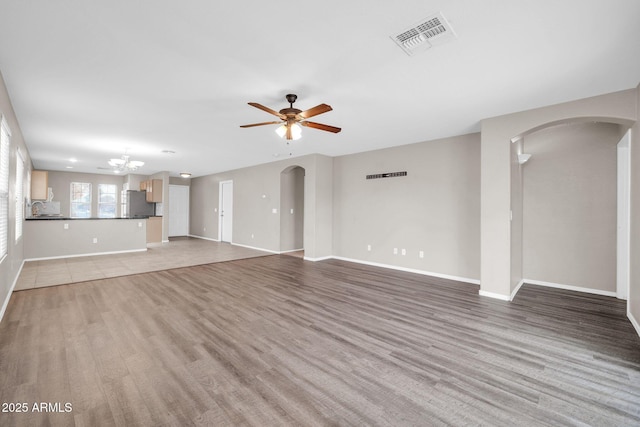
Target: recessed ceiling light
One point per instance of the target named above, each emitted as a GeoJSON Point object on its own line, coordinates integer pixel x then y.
{"type": "Point", "coordinates": [168, 152]}
{"type": "Point", "coordinates": [73, 160]}
{"type": "Point", "coordinates": [185, 174]}
{"type": "Point", "coordinates": [69, 167]}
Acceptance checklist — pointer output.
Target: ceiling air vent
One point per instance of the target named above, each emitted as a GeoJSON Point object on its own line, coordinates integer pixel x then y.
{"type": "Point", "coordinates": [430, 31]}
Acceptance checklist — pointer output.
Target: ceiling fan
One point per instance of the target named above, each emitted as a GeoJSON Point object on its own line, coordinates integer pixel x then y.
{"type": "Point", "coordinates": [292, 118]}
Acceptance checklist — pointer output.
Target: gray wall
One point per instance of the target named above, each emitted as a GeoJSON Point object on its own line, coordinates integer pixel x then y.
{"type": "Point", "coordinates": [10, 266]}
{"type": "Point", "coordinates": [256, 193]}
{"type": "Point", "coordinates": [49, 238]}
{"type": "Point", "coordinates": [434, 209]}
{"type": "Point", "coordinates": [634, 288]}
{"type": "Point", "coordinates": [516, 214]}
{"type": "Point", "coordinates": [496, 275]}
{"type": "Point", "coordinates": [570, 205]}
{"type": "Point", "coordinates": [60, 183]}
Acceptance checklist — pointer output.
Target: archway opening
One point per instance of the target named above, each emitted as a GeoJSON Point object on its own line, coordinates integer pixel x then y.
{"type": "Point", "coordinates": [292, 211]}
{"type": "Point", "coordinates": [570, 205]}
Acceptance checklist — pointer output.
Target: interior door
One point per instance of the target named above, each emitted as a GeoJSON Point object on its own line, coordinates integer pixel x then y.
{"type": "Point", "coordinates": [178, 210]}
{"type": "Point", "coordinates": [226, 211]}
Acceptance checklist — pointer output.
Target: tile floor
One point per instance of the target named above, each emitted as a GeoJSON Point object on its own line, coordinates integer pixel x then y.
{"type": "Point", "coordinates": [179, 252]}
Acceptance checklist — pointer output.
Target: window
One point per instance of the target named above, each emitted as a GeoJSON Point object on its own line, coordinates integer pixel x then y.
{"type": "Point", "coordinates": [19, 195]}
{"type": "Point", "coordinates": [4, 186]}
{"type": "Point", "coordinates": [107, 200]}
{"type": "Point", "coordinates": [80, 200]}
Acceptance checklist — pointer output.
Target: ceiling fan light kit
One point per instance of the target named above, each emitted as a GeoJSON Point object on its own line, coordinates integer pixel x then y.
{"type": "Point", "coordinates": [294, 129]}
{"type": "Point", "coordinates": [291, 119]}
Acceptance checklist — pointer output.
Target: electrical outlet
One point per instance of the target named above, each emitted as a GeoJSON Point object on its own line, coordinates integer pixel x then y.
{"type": "Point", "coordinates": [292, 211]}
{"type": "Point", "coordinates": [95, 240]}
{"type": "Point", "coordinates": [66, 226]}
{"type": "Point", "coordinates": [274, 210]}
{"type": "Point", "coordinates": [369, 248]}
{"type": "Point", "coordinates": [395, 251]}
{"type": "Point", "coordinates": [421, 254]}
{"type": "Point", "coordinates": [139, 224]}
{"type": "Point", "coordinates": [252, 236]}
{"type": "Point", "coordinates": [404, 251]}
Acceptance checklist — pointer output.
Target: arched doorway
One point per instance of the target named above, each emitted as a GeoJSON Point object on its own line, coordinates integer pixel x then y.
{"type": "Point", "coordinates": [571, 209]}
{"type": "Point", "coordinates": [292, 210]}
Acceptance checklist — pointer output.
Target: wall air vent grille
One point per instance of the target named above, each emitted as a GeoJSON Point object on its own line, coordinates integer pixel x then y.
{"type": "Point", "coordinates": [430, 31]}
{"type": "Point", "coordinates": [386, 175]}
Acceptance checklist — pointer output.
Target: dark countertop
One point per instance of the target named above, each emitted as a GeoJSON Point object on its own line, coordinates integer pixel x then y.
{"type": "Point", "coordinates": [66, 218]}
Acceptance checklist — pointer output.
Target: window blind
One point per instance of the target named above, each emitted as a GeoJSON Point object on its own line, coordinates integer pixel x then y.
{"type": "Point", "coordinates": [19, 194]}
{"type": "Point", "coordinates": [4, 186]}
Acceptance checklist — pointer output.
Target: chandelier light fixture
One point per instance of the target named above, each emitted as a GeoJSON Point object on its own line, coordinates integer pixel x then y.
{"type": "Point", "coordinates": [125, 164]}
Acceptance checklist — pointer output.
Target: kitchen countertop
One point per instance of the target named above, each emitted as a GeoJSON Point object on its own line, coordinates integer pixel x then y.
{"type": "Point", "coordinates": [66, 218]}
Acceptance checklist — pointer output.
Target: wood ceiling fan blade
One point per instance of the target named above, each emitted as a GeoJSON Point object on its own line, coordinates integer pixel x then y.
{"type": "Point", "coordinates": [321, 126]}
{"type": "Point", "coordinates": [260, 124]}
{"type": "Point", "coordinates": [267, 109]}
{"type": "Point", "coordinates": [318, 109]}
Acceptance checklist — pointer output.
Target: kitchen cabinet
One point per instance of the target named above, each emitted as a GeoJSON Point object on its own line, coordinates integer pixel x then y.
{"type": "Point", "coordinates": [153, 187]}
{"type": "Point", "coordinates": [39, 185]}
{"type": "Point", "coordinates": [154, 229]}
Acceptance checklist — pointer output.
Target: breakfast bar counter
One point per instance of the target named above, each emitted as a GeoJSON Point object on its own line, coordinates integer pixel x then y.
{"type": "Point", "coordinates": [58, 237]}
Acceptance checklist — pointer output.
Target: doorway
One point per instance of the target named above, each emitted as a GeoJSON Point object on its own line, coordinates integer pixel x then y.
{"type": "Point", "coordinates": [178, 210]}
{"type": "Point", "coordinates": [225, 212]}
{"type": "Point", "coordinates": [569, 215]}
{"type": "Point", "coordinates": [292, 210]}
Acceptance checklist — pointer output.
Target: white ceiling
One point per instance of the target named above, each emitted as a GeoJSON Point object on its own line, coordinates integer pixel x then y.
{"type": "Point", "coordinates": [90, 79]}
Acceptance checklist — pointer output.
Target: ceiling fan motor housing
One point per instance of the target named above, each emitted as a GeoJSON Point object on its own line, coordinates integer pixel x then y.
{"type": "Point", "coordinates": [291, 98]}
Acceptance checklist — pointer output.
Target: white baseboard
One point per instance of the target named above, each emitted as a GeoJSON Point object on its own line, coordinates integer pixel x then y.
{"type": "Point", "coordinates": [570, 287]}
{"type": "Point", "coordinates": [246, 246]}
{"type": "Point", "coordinates": [5, 304]}
{"type": "Point", "coordinates": [494, 295]}
{"type": "Point", "coordinates": [195, 236]}
{"type": "Point", "coordinates": [89, 254]}
{"type": "Point", "coordinates": [633, 321]}
{"type": "Point", "coordinates": [410, 270]}
{"type": "Point", "coordinates": [256, 249]}
{"type": "Point", "coordinates": [323, 258]}
{"type": "Point", "coordinates": [515, 291]}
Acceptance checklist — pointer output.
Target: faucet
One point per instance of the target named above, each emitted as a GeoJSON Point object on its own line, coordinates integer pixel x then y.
{"type": "Point", "coordinates": [34, 208]}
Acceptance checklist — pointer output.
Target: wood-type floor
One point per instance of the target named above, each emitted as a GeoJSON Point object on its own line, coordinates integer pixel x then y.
{"type": "Point", "coordinates": [276, 340]}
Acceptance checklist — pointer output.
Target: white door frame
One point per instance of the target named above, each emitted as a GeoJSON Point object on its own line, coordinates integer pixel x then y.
{"type": "Point", "coordinates": [624, 217]}
{"type": "Point", "coordinates": [221, 212]}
